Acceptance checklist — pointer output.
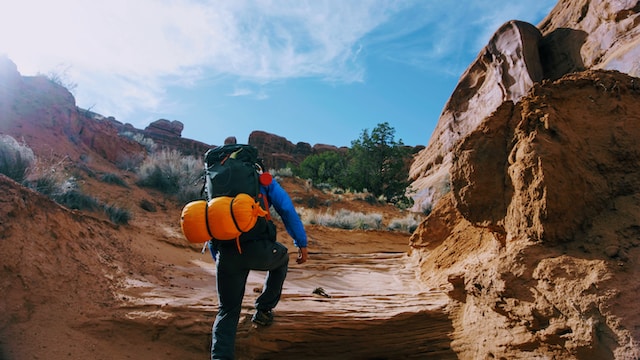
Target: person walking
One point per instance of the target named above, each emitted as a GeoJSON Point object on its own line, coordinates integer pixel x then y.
{"type": "Point", "coordinates": [259, 251]}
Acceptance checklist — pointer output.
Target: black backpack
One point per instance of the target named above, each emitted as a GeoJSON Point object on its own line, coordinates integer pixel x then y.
{"type": "Point", "coordinates": [231, 170]}
{"type": "Point", "coordinates": [236, 169]}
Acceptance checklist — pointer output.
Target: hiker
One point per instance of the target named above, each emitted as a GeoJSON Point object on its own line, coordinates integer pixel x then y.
{"type": "Point", "coordinates": [263, 253]}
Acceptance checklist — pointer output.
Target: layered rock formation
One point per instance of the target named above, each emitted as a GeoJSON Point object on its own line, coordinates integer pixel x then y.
{"type": "Point", "coordinates": [575, 36]}
{"type": "Point", "coordinates": [532, 176]}
{"type": "Point", "coordinates": [538, 241]}
{"type": "Point", "coordinates": [278, 152]}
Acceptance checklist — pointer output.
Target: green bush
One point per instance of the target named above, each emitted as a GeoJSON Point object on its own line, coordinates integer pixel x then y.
{"type": "Point", "coordinates": [15, 158]}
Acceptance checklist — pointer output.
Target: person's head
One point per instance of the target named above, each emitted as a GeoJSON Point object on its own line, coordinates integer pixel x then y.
{"type": "Point", "coordinates": [230, 140]}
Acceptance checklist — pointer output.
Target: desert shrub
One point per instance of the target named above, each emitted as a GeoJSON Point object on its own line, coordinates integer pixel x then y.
{"type": "Point", "coordinates": [147, 205]}
{"type": "Point", "coordinates": [74, 199]}
{"type": "Point", "coordinates": [117, 215]}
{"type": "Point", "coordinates": [15, 158]}
{"type": "Point", "coordinates": [46, 184]}
{"type": "Point", "coordinates": [407, 224]}
{"type": "Point", "coordinates": [129, 162]}
{"type": "Point", "coordinates": [345, 219]}
{"type": "Point", "coordinates": [172, 173]}
{"type": "Point", "coordinates": [283, 172]}
{"type": "Point", "coordinates": [148, 143]}
{"type": "Point", "coordinates": [190, 192]}
{"type": "Point", "coordinates": [111, 178]}
{"type": "Point", "coordinates": [325, 187]}
{"type": "Point", "coordinates": [371, 199]}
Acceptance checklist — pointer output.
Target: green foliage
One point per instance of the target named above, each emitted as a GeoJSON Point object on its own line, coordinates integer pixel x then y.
{"type": "Point", "coordinates": [15, 158]}
{"type": "Point", "coordinates": [379, 164]}
{"type": "Point", "coordinates": [376, 163]}
{"type": "Point", "coordinates": [327, 167]}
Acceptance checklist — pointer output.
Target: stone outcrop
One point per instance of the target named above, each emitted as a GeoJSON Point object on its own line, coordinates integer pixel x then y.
{"type": "Point", "coordinates": [575, 36]}
{"type": "Point", "coordinates": [538, 241]}
{"type": "Point", "coordinates": [278, 152]}
{"type": "Point", "coordinates": [165, 128]}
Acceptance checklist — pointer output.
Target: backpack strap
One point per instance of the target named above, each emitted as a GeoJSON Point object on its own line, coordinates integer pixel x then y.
{"type": "Point", "coordinates": [206, 218]}
{"type": "Point", "coordinates": [235, 223]}
{"type": "Point", "coordinates": [266, 205]}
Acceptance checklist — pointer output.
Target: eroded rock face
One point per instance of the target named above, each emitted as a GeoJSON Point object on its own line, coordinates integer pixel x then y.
{"type": "Point", "coordinates": [538, 240]}
{"type": "Point", "coordinates": [592, 34]}
{"type": "Point", "coordinates": [575, 36]}
{"type": "Point", "coordinates": [504, 71]}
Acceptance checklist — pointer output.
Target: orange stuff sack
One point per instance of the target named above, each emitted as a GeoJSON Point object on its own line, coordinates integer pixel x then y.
{"type": "Point", "coordinates": [223, 218]}
{"type": "Point", "coordinates": [229, 217]}
{"type": "Point", "coordinates": [193, 222]}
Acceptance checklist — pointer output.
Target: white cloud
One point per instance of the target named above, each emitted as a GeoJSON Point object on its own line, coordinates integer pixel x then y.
{"type": "Point", "coordinates": [123, 54]}
{"type": "Point", "coordinates": [241, 92]}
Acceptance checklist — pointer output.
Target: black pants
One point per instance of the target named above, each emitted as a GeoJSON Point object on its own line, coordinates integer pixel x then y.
{"type": "Point", "coordinates": [232, 270]}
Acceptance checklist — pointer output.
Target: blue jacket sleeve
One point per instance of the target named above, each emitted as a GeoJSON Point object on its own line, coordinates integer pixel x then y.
{"type": "Point", "coordinates": [281, 202]}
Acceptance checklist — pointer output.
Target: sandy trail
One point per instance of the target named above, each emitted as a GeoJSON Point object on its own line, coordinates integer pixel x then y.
{"type": "Point", "coordinates": [374, 310]}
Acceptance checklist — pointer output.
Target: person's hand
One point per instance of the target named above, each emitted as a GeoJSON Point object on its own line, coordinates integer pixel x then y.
{"type": "Point", "coordinates": [303, 255]}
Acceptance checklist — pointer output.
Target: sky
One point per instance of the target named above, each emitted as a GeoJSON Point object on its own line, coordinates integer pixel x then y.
{"type": "Point", "coordinates": [316, 71]}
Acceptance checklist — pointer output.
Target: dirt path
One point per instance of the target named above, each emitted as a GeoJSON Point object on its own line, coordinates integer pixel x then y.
{"type": "Point", "coordinates": [373, 309]}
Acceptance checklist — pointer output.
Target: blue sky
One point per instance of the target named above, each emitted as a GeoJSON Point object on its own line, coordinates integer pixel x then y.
{"type": "Point", "coordinates": [311, 71]}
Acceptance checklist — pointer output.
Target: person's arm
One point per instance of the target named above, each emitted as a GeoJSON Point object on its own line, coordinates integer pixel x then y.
{"type": "Point", "coordinates": [282, 203]}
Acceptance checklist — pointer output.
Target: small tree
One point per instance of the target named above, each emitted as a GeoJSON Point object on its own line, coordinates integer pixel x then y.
{"type": "Point", "coordinates": [379, 164]}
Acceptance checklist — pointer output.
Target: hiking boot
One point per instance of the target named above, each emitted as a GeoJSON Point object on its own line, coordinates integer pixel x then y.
{"type": "Point", "coordinates": [263, 317]}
